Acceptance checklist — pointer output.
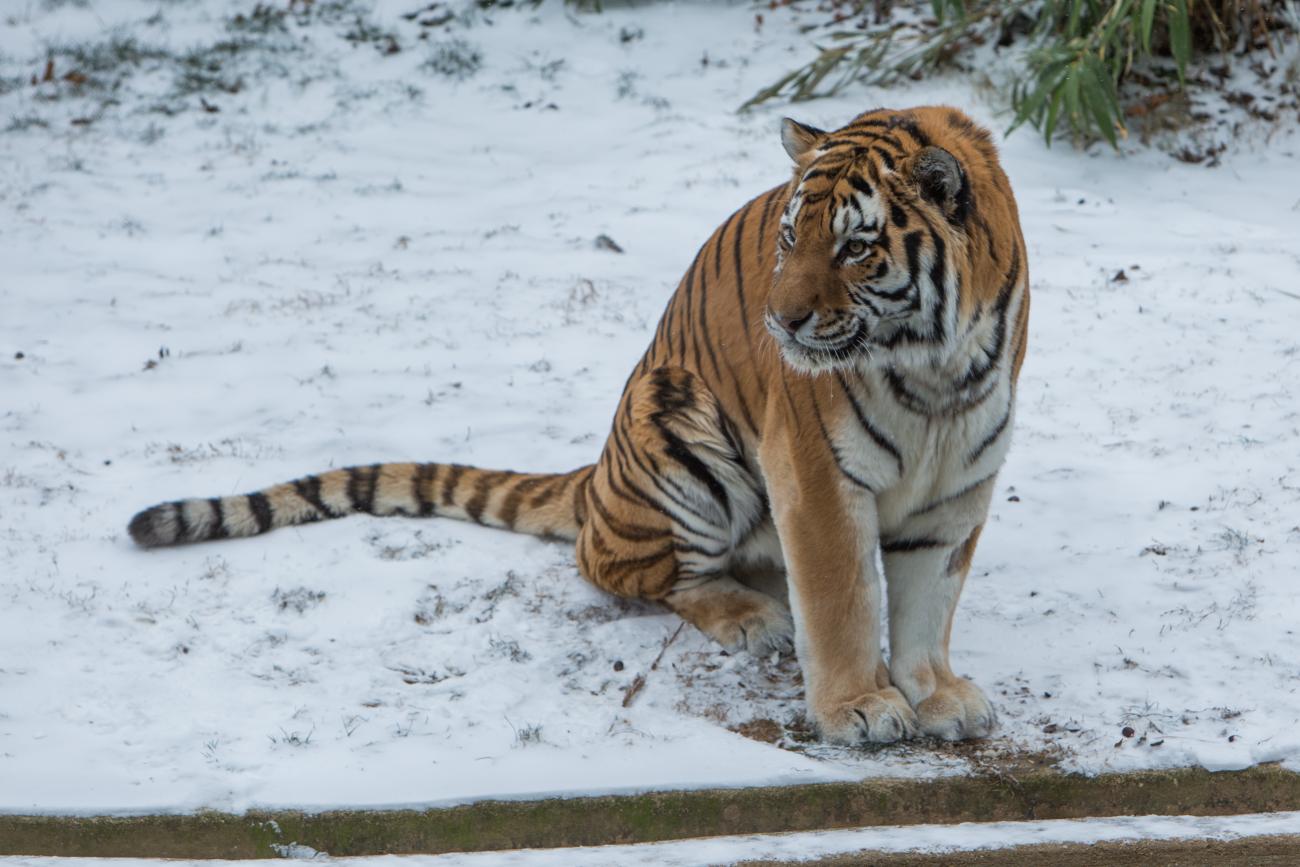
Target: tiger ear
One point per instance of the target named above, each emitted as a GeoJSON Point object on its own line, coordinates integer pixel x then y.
{"type": "Point", "coordinates": [940, 179]}
{"type": "Point", "coordinates": [800, 139]}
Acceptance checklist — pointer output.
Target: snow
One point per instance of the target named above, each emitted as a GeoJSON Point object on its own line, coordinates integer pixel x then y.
{"type": "Point", "coordinates": [356, 258]}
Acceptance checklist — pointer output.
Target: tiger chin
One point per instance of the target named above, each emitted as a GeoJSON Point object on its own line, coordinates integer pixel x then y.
{"type": "Point", "coordinates": [832, 383]}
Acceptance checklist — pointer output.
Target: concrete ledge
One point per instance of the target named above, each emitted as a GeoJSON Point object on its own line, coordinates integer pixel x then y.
{"type": "Point", "coordinates": [595, 821]}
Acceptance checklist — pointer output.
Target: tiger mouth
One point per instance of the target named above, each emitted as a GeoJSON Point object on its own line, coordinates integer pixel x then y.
{"type": "Point", "coordinates": [824, 356]}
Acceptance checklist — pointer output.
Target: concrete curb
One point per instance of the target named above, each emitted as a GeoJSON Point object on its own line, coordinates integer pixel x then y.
{"type": "Point", "coordinates": [594, 821]}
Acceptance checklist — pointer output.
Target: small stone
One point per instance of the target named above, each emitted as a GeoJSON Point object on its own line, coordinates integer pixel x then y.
{"type": "Point", "coordinates": [1128, 731]}
{"type": "Point", "coordinates": [605, 242]}
{"type": "Point", "coordinates": [618, 665]}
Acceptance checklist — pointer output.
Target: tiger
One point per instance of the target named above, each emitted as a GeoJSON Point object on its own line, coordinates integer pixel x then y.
{"type": "Point", "coordinates": [831, 386]}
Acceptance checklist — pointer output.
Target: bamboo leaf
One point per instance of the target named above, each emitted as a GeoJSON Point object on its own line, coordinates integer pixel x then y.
{"type": "Point", "coordinates": [1071, 89]}
{"type": "Point", "coordinates": [1053, 109]}
{"type": "Point", "coordinates": [1148, 16]}
{"type": "Point", "coordinates": [1098, 103]}
{"type": "Point", "coordinates": [1076, 12]}
{"type": "Point", "coordinates": [1180, 35]}
{"type": "Point", "coordinates": [1032, 101]}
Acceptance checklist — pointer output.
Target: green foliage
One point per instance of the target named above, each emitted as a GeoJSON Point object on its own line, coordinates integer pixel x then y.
{"type": "Point", "coordinates": [1082, 50]}
{"type": "Point", "coordinates": [1076, 54]}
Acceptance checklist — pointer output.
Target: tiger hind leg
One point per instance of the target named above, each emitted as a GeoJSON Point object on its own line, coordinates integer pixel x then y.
{"type": "Point", "coordinates": [670, 498]}
{"type": "Point", "coordinates": [735, 616]}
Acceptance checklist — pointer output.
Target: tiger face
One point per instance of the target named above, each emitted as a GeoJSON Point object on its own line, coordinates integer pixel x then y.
{"type": "Point", "coordinates": [858, 246]}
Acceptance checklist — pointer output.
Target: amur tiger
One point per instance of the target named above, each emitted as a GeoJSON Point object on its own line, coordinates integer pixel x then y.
{"type": "Point", "coordinates": [834, 377]}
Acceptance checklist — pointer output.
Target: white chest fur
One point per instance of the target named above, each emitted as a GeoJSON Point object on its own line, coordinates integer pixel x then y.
{"type": "Point", "coordinates": [914, 460]}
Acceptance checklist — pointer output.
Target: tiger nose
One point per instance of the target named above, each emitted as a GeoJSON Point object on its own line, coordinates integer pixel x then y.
{"type": "Point", "coordinates": [792, 322]}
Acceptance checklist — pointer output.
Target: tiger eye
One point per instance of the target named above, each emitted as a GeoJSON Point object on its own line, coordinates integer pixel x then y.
{"type": "Point", "coordinates": [855, 247]}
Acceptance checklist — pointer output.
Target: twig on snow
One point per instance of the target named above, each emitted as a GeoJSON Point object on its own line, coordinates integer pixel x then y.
{"type": "Point", "coordinates": [638, 682]}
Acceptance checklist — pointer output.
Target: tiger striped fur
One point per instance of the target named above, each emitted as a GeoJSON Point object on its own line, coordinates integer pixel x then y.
{"type": "Point", "coordinates": [833, 379]}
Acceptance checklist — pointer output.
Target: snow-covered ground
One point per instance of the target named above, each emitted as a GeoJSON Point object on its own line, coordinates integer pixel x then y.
{"type": "Point", "coordinates": [358, 255]}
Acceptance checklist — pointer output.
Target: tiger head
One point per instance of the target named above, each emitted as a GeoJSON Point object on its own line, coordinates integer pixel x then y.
{"type": "Point", "coordinates": [863, 245]}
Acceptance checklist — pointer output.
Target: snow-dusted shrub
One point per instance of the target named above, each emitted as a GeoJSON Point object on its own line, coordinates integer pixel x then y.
{"type": "Point", "coordinates": [453, 58]}
{"type": "Point", "coordinates": [1087, 65]}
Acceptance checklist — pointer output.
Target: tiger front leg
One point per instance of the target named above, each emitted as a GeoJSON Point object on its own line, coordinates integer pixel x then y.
{"type": "Point", "coordinates": [828, 536]}
{"type": "Point", "coordinates": [925, 577]}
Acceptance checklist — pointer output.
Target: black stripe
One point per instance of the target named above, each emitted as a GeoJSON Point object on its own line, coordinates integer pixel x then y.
{"type": "Point", "coordinates": [717, 245]}
{"type": "Point", "coordinates": [908, 125]}
{"type": "Point", "coordinates": [670, 313]}
{"type": "Point", "coordinates": [990, 439]}
{"type": "Point", "coordinates": [964, 206]}
{"type": "Point", "coordinates": [876, 435]}
{"type": "Point", "coordinates": [422, 486]}
{"type": "Point", "coordinates": [688, 314]}
{"type": "Point", "coordinates": [659, 329]}
{"type": "Point", "coordinates": [728, 427]}
{"type": "Point", "coordinates": [622, 529]}
{"type": "Point", "coordinates": [455, 471]}
{"type": "Point", "coordinates": [681, 498]}
{"type": "Point", "coordinates": [581, 484]}
{"type": "Point", "coordinates": [977, 371]}
{"type": "Point", "coordinates": [678, 451]}
{"type": "Point", "coordinates": [740, 396]}
{"type": "Point", "coordinates": [657, 479]}
{"type": "Point", "coordinates": [833, 143]}
{"type": "Point", "coordinates": [513, 502]}
{"type": "Point", "coordinates": [673, 397]}
{"type": "Point", "coordinates": [773, 199]}
{"type": "Point", "coordinates": [703, 329]}
{"type": "Point", "coordinates": [361, 487]}
{"type": "Point", "coordinates": [938, 279]}
{"type": "Point", "coordinates": [813, 174]}
{"type": "Point", "coordinates": [835, 452]}
{"type": "Point", "coordinates": [546, 490]}
{"type": "Point", "coordinates": [898, 546]}
{"type": "Point", "coordinates": [309, 489]}
{"type": "Point", "coordinates": [893, 294]}
{"type": "Point", "coordinates": [182, 525]}
{"type": "Point", "coordinates": [483, 488]}
{"type": "Point", "coordinates": [218, 528]}
{"type": "Point", "coordinates": [912, 246]}
{"type": "Point", "coordinates": [943, 501]}
{"type": "Point", "coordinates": [622, 567]}
{"type": "Point", "coordinates": [859, 184]}
{"type": "Point", "coordinates": [904, 395]}
{"type": "Point", "coordinates": [691, 548]}
{"type": "Point", "coordinates": [260, 506]}
{"type": "Point", "coordinates": [740, 280]}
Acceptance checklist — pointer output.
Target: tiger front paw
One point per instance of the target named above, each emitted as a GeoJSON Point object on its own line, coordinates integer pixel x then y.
{"type": "Point", "coordinates": [957, 711]}
{"type": "Point", "coordinates": [878, 717]}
